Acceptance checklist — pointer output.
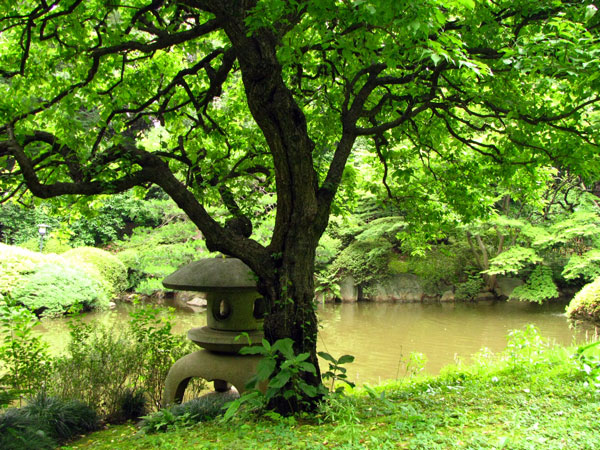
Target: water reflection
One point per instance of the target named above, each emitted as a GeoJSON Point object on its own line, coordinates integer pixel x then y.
{"type": "Point", "coordinates": [381, 335]}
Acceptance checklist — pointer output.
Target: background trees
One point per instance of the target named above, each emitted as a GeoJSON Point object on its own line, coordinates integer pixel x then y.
{"type": "Point", "coordinates": [226, 101]}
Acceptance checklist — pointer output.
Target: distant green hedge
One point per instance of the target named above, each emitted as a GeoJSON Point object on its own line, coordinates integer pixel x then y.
{"type": "Point", "coordinates": [15, 264]}
{"type": "Point", "coordinates": [51, 284]}
{"type": "Point", "coordinates": [586, 303]}
{"type": "Point", "coordinates": [94, 260]}
{"type": "Point", "coordinates": [53, 288]}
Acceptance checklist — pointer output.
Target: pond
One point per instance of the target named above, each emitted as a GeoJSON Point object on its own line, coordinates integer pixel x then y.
{"type": "Point", "coordinates": [382, 335]}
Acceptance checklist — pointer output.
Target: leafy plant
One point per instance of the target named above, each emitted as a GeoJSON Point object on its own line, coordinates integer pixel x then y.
{"type": "Point", "coordinates": [539, 286]}
{"type": "Point", "coordinates": [44, 422]}
{"type": "Point", "coordinates": [468, 290]}
{"type": "Point", "coordinates": [365, 260]}
{"type": "Point", "coordinates": [25, 362]}
{"type": "Point", "coordinates": [327, 285]}
{"type": "Point", "coordinates": [157, 349]}
{"type": "Point", "coordinates": [15, 264]}
{"type": "Point", "coordinates": [152, 254]}
{"type": "Point", "coordinates": [201, 409]}
{"type": "Point", "coordinates": [586, 303]}
{"type": "Point", "coordinates": [53, 288]}
{"type": "Point", "coordinates": [64, 418]}
{"type": "Point", "coordinates": [111, 269]}
{"type": "Point", "coordinates": [100, 365]}
{"type": "Point", "coordinates": [285, 380]}
{"type": "Point", "coordinates": [20, 432]}
{"type": "Point", "coordinates": [336, 370]}
{"type": "Point", "coordinates": [588, 358]}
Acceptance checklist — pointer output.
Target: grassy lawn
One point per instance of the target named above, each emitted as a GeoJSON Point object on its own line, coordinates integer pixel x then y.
{"type": "Point", "coordinates": [532, 396]}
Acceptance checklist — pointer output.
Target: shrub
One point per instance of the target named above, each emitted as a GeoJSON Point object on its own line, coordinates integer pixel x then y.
{"type": "Point", "coordinates": [25, 362]}
{"type": "Point", "coordinates": [327, 250]}
{"type": "Point", "coordinates": [19, 432]}
{"type": "Point", "coordinates": [586, 303]}
{"type": "Point", "coordinates": [158, 349]}
{"type": "Point", "coordinates": [440, 265]}
{"type": "Point", "coordinates": [112, 270]}
{"type": "Point", "coordinates": [132, 405]}
{"type": "Point", "coordinates": [397, 266]}
{"type": "Point", "coordinates": [539, 286]}
{"type": "Point", "coordinates": [200, 409]}
{"type": "Point", "coordinates": [139, 357]}
{"type": "Point", "coordinates": [53, 289]}
{"type": "Point", "coordinates": [15, 264]}
{"type": "Point", "coordinates": [101, 363]}
{"type": "Point", "coordinates": [50, 245]}
{"type": "Point", "coordinates": [365, 260]}
{"type": "Point", "coordinates": [64, 418]}
{"type": "Point", "coordinates": [469, 289]}
{"type": "Point", "coordinates": [151, 255]}
{"type": "Point", "coordinates": [45, 422]}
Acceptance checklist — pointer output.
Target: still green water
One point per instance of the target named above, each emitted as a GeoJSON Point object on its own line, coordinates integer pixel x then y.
{"type": "Point", "coordinates": [382, 335]}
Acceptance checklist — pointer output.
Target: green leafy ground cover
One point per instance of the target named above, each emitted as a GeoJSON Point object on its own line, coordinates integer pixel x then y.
{"type": "Point", "coordinates": [531, 396]}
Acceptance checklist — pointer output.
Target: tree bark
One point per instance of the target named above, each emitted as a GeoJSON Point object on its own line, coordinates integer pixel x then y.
{"type": "Point", "coordinates": [289, 289]}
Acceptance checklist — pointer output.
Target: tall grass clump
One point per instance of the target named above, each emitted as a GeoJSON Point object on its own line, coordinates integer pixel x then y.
{"type": "Point", "coordinates": [44, 423]}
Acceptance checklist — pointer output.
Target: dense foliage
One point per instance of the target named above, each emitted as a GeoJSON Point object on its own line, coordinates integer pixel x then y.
{"type": "Point", "coordinates": [271, 104]}
{"type": "Point", "coordinates": [53, 289]}
{"type": "Point", "coordinates": [586, 303]}
{"type": "Point", "coordinates": [152, 254]}
{"type": "Point", "coordinates": [44, 423]}
{"type": "Point", "coordinates": [112, 271]}
{"type": "Point", "coordinates": [118, 372]}
{"type": "Point", "coordinates": [531, 395]}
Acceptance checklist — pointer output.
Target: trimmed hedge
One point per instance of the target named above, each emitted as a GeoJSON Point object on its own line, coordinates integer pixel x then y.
{"type": "Point", "coordinates": [92, 260]}
{"type": "Point", "coordinates": [53, 288]}
{"type": "Point", "coordinates": [586, 303]}
{"type": "Point", "coordinates": [15, 264]}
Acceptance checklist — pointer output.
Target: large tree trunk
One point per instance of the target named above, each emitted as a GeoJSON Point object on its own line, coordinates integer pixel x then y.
{"type": "Point", "coordinates": [289, 288]}
{"type": "Point", "coordinates": [292, 314]}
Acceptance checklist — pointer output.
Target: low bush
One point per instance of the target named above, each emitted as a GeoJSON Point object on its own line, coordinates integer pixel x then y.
{"type": "Point", "coordinates": [139, 357]}
{"type": "Point", "coordinates": [54, 288]}
{"type": "Point", "coordinates": [468, 290]}
{"type": "Point", "coordinates": [44, 423]}
{"type": "Point", "coordinates": [51, 244]}
{"type": "Point", "coordinates": [201, 409]}
{"type": "Point", "coordinates": [111, 269]}
{"type": "Point", "coordinates": [15, 264]}
{"type": "Point", "coordinates": [64, 418]}
{"type": "Point", "coordinates": [19, 432]}
{"type": "Point", "coordinates": [586, 303]}
{"type": "Point", "coordinates": [25, 362]}
{"type": "Point", "coordinates": [151, 255]}
{"type": "Point", "coordinates": [100, 364]}
{"type": "Point", "coordinates": [365, 260]}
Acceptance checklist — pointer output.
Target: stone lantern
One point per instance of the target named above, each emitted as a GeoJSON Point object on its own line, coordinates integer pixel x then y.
{"type": "Point", "coordinates": [233, 307]}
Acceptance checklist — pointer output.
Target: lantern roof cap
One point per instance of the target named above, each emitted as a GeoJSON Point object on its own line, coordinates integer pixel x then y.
{"type": "Point", "coordinates": [212, 274]}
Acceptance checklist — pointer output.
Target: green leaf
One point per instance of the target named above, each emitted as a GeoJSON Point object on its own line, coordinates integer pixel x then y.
{"type": "Point", "coordinates": [345, 359]}
{"type": "Point", "coordinates": [280, 380]}
{"type": "Point", "coordinates": [265, 368]}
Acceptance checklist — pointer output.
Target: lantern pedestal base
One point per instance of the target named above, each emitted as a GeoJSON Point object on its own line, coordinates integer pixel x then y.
{"type": "Point", "coordinates": [224, 369]}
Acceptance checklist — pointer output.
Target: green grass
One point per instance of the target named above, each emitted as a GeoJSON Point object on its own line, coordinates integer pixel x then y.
{"type": "Point", "coordinates": [532, 396]}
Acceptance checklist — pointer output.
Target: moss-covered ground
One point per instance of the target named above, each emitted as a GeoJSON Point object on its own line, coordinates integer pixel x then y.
{"type": "Point", "coordinates": [532, 396]}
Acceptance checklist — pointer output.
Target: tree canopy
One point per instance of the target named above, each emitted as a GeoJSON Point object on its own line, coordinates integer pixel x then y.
{"type": "Point", "coordinates": [231, 100]}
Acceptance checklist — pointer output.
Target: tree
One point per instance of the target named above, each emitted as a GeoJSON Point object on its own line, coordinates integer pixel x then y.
{"type": "Point", "coordinates": [227, 100]}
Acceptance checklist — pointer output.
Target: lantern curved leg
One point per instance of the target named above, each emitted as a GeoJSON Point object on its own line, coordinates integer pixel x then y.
{"type": "Point", "coordinates": [223, 369]}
